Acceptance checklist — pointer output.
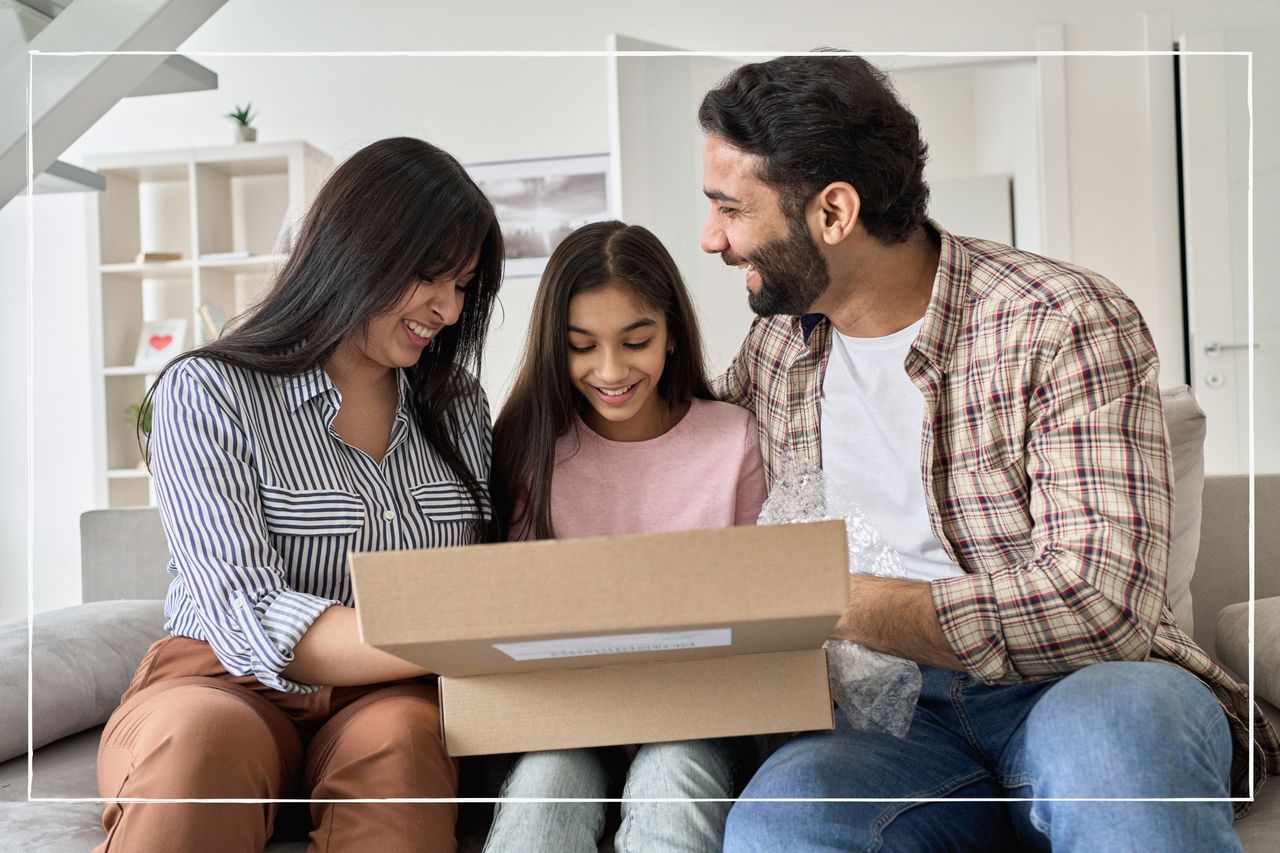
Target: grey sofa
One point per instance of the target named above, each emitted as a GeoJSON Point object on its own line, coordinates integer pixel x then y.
{"type": "Point", "coordinates": [85, 655]}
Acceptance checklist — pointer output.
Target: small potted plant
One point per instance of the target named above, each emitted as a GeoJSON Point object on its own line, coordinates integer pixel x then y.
{"type": "Point", "coordinates": [242, 116]}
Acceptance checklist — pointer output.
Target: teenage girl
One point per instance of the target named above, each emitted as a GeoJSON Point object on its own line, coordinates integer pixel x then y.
{"type": "Point", "coordinates": [611, 429]}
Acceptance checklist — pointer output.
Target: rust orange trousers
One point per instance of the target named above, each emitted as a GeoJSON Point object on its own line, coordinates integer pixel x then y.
{"type": "Point", "coordinates": [187, 729]}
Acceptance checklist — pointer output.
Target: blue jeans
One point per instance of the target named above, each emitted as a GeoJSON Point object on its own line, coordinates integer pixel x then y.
{"type": "Point", "coordinates": [693, 769]}
{"type": "Point", "coordinates": [1110, 730]}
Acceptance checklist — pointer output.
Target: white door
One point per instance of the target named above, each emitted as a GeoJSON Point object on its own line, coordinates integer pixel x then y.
{"type": "Point", "coordinates": [1215, 128]}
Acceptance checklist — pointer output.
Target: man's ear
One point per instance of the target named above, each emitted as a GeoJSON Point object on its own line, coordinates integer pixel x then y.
{"type": "Point", "coordinates": [836, 208]}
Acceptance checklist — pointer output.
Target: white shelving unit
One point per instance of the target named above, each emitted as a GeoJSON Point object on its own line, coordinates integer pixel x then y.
{"type": "Point", "coordinates": [197, 202]}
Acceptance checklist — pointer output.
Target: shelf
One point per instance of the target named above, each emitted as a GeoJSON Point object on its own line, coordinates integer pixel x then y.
{"type": "Point", "coordinates": [130, 370]}
{"type": "Point", "coordinates": [128, 474]}
{"type": "Point", "coordinates": [239, 168]}
{"type": "Point", "coordinates": [230, 201]}
{"type": "Point", "coordinates": [256, 159]}
{"type": "Point", "coordinates": [140, 172]}
{"type": "Point", "coordinates": [252, 264]}
{"type": "Point", "coordinates": [154, 269]}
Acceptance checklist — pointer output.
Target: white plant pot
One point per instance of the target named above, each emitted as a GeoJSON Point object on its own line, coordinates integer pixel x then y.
{"type": "Point", "coordinates": [246, 134]}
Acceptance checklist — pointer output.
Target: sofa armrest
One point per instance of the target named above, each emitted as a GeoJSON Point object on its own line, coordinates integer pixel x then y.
{"type": "Point", "coordinates": [84, 658]}
{"type": "Point", "coordinates": [1233, 644]}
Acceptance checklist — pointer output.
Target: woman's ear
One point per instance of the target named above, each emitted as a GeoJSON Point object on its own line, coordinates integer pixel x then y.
{"type": "Point", "coordinates": [836, 208]}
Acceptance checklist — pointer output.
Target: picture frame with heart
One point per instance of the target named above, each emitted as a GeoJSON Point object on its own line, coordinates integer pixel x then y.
{"type": "Point", "coordinates": [160, 341]}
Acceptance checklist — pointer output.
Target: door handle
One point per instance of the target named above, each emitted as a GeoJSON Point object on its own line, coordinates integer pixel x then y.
{"type": "Point", "coordinates": [1213, 349]}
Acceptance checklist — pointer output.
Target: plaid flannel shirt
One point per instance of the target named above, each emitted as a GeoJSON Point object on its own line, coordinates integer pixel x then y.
{"type": "Point", "coordinates": [1045, 464]}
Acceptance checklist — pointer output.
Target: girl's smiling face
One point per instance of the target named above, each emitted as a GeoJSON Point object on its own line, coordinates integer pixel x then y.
{"type": "Point", "coordinates": [617, 353]}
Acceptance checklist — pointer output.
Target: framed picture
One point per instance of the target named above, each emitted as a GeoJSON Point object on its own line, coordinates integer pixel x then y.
{"type": "Point", "coordinates": [539, 202]}
{"type": "Point", "coordinates": [160, 341]}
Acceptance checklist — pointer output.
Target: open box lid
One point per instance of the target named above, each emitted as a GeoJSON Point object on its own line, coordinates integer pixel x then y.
{"type": "Point", "coordinates": [522, 606]}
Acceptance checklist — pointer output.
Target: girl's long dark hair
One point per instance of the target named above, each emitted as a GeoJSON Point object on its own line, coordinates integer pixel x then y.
{"type": "Point", "coordinates": [543, 401]}
{"type": "Point", "coordinates": [396, 211]}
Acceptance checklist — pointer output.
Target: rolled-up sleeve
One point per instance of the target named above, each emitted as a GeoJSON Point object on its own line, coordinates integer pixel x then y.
{"type": "Point", "coordinates": [1100, 480]}
{"type": "Point", "coordinates": [207, 491]}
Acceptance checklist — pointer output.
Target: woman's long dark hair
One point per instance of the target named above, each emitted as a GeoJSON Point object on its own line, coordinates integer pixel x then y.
{"type": "Point", "coordinates": [396, 211]}
{"type": "Point", "coordinates": [543, 401]}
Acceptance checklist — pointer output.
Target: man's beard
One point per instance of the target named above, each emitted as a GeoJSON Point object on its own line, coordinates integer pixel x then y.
{"type": "Point", "coordinates": [793, 274]}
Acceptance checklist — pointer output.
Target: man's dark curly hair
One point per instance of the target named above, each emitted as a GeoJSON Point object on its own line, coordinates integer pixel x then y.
{"type": "Point", "coordinates": [816, 119]}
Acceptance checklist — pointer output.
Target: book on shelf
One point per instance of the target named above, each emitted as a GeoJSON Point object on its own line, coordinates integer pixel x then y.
{"type": "Point", "coordinates": [151, 257]}
{"type": "Point", "coordinates": [223, 256]}
{"type": "Point", "coordinates": [214, 321]}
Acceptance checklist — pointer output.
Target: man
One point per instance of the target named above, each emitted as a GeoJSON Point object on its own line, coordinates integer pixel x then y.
{"type": "Point", "coordinates": [997, 416]}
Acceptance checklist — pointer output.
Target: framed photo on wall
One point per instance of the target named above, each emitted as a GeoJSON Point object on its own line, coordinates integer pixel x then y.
{"type": "Point", "coordinates": [540, 201]}
{"type": "Point", "coordinates": [160, 341]}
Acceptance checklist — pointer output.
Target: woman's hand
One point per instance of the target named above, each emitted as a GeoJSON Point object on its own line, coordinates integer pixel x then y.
{"type": "Point", "coordinates": [331, 653]}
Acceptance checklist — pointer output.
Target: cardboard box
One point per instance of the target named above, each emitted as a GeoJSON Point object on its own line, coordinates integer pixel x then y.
{"type": "Point", "coordinates": [624, 639]}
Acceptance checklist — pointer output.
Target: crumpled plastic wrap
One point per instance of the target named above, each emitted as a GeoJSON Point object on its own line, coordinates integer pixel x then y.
{"type": "Point", "coordinates": [874, 691]}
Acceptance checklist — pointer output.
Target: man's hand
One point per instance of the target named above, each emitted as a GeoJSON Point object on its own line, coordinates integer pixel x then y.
{"type": "Point", "coordinates": [896, 617]}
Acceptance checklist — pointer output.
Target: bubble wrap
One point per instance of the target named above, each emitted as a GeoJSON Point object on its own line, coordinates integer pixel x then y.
{"type": "Point", "coordinates": [875, 691]}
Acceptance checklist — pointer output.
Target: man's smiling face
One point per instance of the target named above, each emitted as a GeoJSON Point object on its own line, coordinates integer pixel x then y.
{"type": "Point", "coordinates": [748, 228]}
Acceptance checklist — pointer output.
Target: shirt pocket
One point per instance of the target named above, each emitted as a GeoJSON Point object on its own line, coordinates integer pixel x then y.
{"type": "Point", "coordinates": [311, 512]}
{"type": "Point", "coordinates": [447, 501]}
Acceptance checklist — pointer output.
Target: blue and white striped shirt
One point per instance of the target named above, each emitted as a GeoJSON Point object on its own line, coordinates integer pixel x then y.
{"type": "Point", "coordinates": [261, 501]}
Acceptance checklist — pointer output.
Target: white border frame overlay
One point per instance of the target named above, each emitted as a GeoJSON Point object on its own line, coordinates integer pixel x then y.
{"type": "Point", "coordinates": [754, 55]}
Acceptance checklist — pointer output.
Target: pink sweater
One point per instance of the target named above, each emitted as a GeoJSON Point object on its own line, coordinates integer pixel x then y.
{"type": "Point", "coordinates": [704, 472]}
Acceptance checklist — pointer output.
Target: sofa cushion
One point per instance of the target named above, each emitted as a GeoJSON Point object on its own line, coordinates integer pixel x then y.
{"type": "Point", "coordinates": [67, 769]}
{"type": "Point", "coordinates": [73, 828]}
{"type": "Point", "coordinates": [84, 659]}
{"type": "Point", "coordinates": [1233, 645]}
{"type": "Point", "coordinates": [1185, 422]}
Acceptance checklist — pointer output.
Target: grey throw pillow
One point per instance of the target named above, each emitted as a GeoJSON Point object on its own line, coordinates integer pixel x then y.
{"type": "Point", "coordinates": [84, 659]}
{"type": "Point", "coordinates": [1185, 422]}
{"type": "Point", "coordinates": [1232, 644]}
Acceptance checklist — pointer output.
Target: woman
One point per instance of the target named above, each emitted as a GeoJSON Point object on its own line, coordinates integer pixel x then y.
{"type": "Point", "coordinates": [338, 416]}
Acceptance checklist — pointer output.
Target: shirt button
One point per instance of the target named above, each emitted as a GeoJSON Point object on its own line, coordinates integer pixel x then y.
{"type": "Point", "coordinates": [389, 515]}
{"type": "Point", "coordinates": [237, 602]}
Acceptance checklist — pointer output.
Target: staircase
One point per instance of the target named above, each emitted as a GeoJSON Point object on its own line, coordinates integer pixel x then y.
{"type": "Point", "coordinates": [65, 94]}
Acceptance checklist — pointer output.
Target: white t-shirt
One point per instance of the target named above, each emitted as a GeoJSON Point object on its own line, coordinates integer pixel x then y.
{"type": "Point", "coordinates": [871, 421]}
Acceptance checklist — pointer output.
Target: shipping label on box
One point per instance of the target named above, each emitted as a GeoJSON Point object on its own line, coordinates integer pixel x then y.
{"type": "Point", "coordinates": [616, 644]}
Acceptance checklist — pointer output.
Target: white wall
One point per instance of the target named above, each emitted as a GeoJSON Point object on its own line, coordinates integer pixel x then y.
{"type": "Point", "coordinates": [1004, 122]}
{"type": "Point", "coordinates": [499, 108]}
{"type": "Point", "coordinates": [13, 428]}
{"type": "Point", "coordinates": [980, 120]}
{"type": "Point", "coordinates": [62, 449]}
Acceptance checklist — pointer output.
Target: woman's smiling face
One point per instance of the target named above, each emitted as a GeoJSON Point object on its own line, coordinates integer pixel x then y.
{"type": "Point", "coordinates": [397, 337]}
